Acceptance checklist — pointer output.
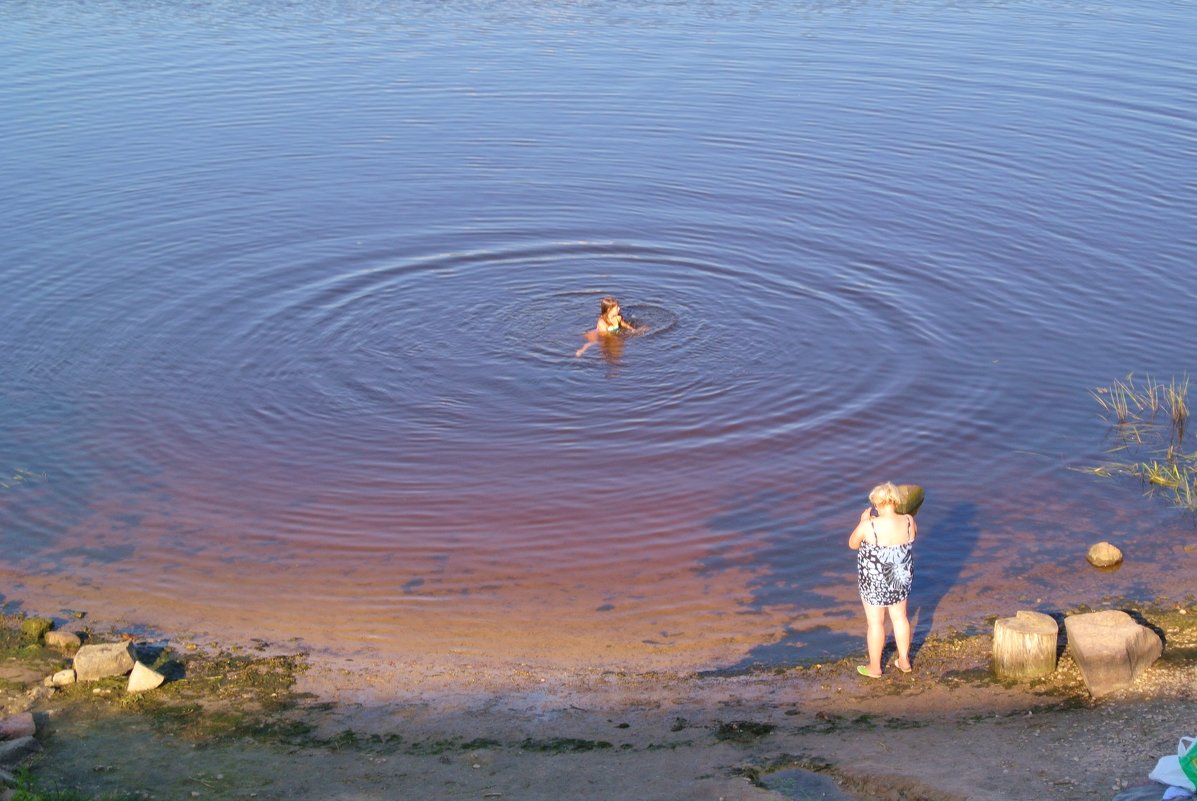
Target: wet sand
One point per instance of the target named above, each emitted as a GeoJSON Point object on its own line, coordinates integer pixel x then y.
{"type": "Point", "coordinates": [469, 730]}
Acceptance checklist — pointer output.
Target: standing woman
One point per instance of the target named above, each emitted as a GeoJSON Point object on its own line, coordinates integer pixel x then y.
{"type": "Point", "coordinates": [883, 541]}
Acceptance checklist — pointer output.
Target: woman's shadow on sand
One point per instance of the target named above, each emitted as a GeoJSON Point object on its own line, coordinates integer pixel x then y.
{"type": "Point", "coordinates": [947, 541]}
{"type": "Point", "coordinates": [948, 544]}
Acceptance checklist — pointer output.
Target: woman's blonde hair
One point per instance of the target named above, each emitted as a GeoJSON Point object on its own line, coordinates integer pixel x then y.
{"type": "Point", "coordinates": [885, 495]}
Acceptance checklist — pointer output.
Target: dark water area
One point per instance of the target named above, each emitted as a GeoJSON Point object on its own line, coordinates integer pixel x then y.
{"type": "Point", "coordinates": [291, 295]}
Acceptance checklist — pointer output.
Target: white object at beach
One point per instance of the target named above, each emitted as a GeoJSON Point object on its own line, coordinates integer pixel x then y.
{"type": "Point", "coordinates": [144, 678]}
{"type": "Point", "coordinates": [1168, 770]}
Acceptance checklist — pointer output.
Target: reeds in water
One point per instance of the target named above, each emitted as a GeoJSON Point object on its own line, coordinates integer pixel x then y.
{"type": "Point", "coordinates": [19, 476]}
{"type": "Point", "coordinates": [1177, 398]}
{"type": "Point", "coordinates": [1148, 420]}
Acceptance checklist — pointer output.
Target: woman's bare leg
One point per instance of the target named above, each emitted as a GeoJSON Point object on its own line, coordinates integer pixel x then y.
{"type": "Point", "coordinates": [875, 636]}
{"type": "Point", "coordinates": [897, 615]}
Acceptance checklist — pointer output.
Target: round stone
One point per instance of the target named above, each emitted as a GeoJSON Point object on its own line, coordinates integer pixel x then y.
{"type": "Point", "coordinates": [1103, 554]}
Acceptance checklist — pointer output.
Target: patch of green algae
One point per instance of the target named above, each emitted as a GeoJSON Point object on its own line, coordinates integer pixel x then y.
{"type": "Point", "coordinates": [208, 697]}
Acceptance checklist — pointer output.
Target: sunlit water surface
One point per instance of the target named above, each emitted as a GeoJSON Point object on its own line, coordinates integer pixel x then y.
{"type": "Point", "coordinates": [291, 293]}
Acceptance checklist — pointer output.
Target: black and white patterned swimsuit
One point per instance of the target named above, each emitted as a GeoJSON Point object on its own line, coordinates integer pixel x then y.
{"type": "Point", "coordinates": [885, 571]}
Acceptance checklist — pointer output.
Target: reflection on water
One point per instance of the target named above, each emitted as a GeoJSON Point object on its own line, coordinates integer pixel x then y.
{"type": "Point", "coordinates": [292, 295]}
{"type": "Point", "coordinates": [612, 348]}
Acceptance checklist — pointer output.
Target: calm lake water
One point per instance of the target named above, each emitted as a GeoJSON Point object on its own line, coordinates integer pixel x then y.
{"type": "Point", "coordinates": [291, 294]}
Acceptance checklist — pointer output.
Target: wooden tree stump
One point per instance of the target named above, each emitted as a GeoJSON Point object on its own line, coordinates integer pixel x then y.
{"type": "Point", "coordinates": [1024, 646]}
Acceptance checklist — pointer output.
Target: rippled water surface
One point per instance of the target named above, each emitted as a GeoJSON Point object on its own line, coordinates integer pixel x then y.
{"type": "Point", "coordinates": [291, 294]}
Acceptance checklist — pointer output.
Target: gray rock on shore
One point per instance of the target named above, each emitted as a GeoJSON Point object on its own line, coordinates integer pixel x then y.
{"type": "Point", "coordinates": [64, 640]}
{"type": "Point", "coordinates": [18, 726]}
{"type": "Point", "coordinates": [62, 678]}
{"type": "Point", "coordinates": [106, 659]}
{"type": "Point", "coordinates": [143, 678]}
{"type": "Point", "coordinates": [1111, 649]}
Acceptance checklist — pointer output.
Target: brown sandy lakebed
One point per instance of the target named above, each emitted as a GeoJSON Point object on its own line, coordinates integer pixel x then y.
{"type": "Point", "coordinates": [256, 722]}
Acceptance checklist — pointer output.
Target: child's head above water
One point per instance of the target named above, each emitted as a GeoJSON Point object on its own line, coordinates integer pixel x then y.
{"type": "Point", "coordinates": [610, 319]}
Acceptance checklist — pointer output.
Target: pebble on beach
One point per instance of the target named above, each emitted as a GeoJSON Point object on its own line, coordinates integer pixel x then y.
{"type": "Point", "coordinates": [62, 678]}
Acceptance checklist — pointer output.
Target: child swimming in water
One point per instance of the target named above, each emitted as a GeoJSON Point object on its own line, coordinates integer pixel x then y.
{"type": "Point", "coordinates": [610, 322]}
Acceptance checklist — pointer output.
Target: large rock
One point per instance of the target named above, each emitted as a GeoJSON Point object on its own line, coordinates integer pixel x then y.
{"type": "Point", "coordinates": [106, 659]}
{"type": "Point", "coordinates": [13, 751]}
{"type": "Point", "coordinates": [1110, 648]}
{"type": "Point", "coordinates": [1103, 554]}
{"type": "Point", "coordinates": [64, 640]}
{"type": "Point", "coordinates": [911, 499]}
{"type": "Point", "coordinates": [18, 726]}
{"type": "Point", "coordinates": [143, 678]}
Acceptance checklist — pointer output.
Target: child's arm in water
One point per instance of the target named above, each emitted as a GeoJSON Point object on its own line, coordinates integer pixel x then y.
{"type": "Point", "coordinates": [591, 338]}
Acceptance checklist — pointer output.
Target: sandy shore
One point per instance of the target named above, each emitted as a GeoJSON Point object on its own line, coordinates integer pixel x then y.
{"type": "Point", "coordinates": [461, 730]}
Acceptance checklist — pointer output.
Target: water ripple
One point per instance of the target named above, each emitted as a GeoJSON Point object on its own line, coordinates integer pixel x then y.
{"type": "Point", "coordinates": [292, 293]}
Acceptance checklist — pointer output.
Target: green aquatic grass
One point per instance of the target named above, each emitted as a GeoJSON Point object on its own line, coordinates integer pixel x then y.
{"type": "Point", "coordinates": [19, 476]}
{"type": "Point", "coordinates": [1148, 421]}
{"type": "Point", "coordinates": [1177, 398]}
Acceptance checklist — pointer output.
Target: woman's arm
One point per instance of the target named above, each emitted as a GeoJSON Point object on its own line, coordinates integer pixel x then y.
{"type": "Point", "coordinates": [858, 533]}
